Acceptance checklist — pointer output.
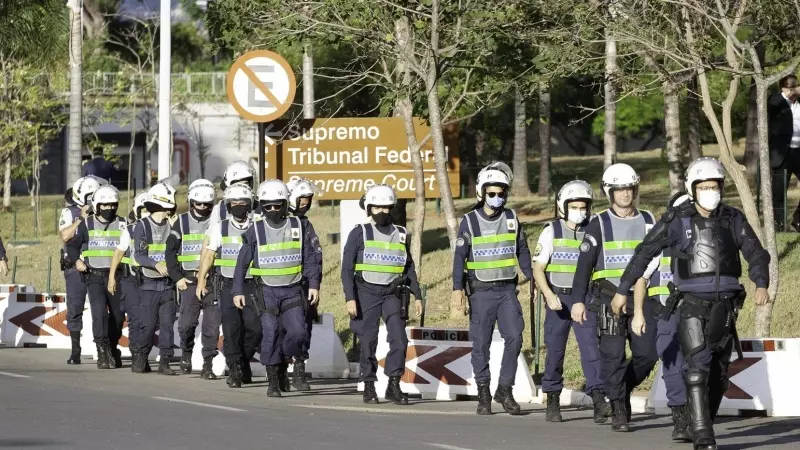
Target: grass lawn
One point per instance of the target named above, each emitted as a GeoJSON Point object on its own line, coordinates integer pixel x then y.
{"type": "Point", "coordinates": [32, 256]}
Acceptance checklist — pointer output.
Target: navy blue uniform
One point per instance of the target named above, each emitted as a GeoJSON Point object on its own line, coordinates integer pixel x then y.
{"type": "Point", "coordinates": [99, 167]}
{"type": "Point", "coordinates": [76, 289]}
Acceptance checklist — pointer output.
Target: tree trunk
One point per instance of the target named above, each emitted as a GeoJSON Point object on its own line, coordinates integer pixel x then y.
{"type": "Point", "coordinates": [75, 138]}
{"type": "Point", "coordinates": [764, 313]}
{"type": "Point", "coordinates": [609, 87]}
{"type": "Point", "coordinates": [7, 185]}
{"type": "Point", "coordinates": [672, 125]}
{"type": "Point", "coordinates": [693, 117]}
{"type": "Point", "coordinates": [480, 146]}
{"type": "Point", "coordinates": [544, 140]}
{"type": "Point", "coordinates": [520, 186]}
{"type": "Point", "coordinates": [308, 82]}
{"type": "Point", "coordinates": [751, 153]}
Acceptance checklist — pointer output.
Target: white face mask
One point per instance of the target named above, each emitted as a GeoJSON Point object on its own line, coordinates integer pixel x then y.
{"type": "Point", "coordinates": [576, 217]}
{"type": "Point", "coordinates": [708, 200]}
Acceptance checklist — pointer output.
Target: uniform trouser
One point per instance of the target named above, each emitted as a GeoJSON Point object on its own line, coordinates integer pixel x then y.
{"type": "Point", "coordinates": [131, 306]}
{"type": "Point", "coordinates": [669, 350]}
{"type": "Point", "coordinates": [158, 307]}
{"type": "Point", "coordinates": [375, 302]}
{"type": "Point", "coordinates": [189, 318]}
{"type": "Point", "coordinates": [107, 315]}
{"type": "Point", "coordinates": [556, 334]}
{"type": "Point", "coordinates": [487, 306]}
{"type": "Point", "coordinates": [311, 314]}
{"type": "Point", "coordinates": [284, 310]}
{"type": "Point", "coordinates": [620, 378]}
{"type": "Point", "coordinates": [76, 299]}
{"type": "Point", "coordinates": [241, 328]}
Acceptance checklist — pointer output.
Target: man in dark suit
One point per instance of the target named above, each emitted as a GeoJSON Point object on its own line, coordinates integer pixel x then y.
{"type": "Point", "coordinates": [98, 166]}
{"type": "Point", "coordinates": [783, 112]}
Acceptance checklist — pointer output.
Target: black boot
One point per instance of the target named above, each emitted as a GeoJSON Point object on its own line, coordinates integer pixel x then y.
{"type": "Point", "coordinates": [283, 376]}
{"type": "Point", "coordinates": [553, 413]}
{"type": "Point", "coordinates": [484, 399]}
{"type": "Point", "coordinates": [207, 373]}
{"type": "Point", "coordinates": [247, 372]}
{"type": "Point", "coordinates": [505, 397]}
{"type": "Point", "coordinates": [235, 375]}
{"type": "Point", "coordinates": [138, 360]}
{"type": "Point", "coordinates": [272, 376]}
{"type": "Point", "coordinates": [299, 376]}
{"type": "Point", "coordinates": [394, 393]}
{"type": "Point", "coordinates": [116, 356]}
{"type": "Point", "coordinates": [370, 396]}
{"type": "Point", "coordinates": [146, 359]}
{"type": "Point", "coordinates": [186, 362]}
{"type": "Point", "coordinates": [628, 409]}
{"type": "Point", "coordinates": [602, 409]}
{"type": "Point", "coordinates": [619, 421]}
{"type": "Point", "coordinates": [102, 356]}
{"type": "Point", "coordinates": [163, 367]}
{"type": "Point", "coordinates": [681, 422]}
{"type": "Point", "coordinates": [697, 405]}
{"type": "Point", "coordinates": [75, 356]}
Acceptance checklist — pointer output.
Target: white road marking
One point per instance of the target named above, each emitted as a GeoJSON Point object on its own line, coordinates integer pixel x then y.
{"type": "Point", "coordinates": [445, 446]}
{"type": "Point", "coordinates": [388, 411]}
{"type": "Point", "coordinates": [13, 375]}
{"type": "Point", "coordinates": [206, 405]}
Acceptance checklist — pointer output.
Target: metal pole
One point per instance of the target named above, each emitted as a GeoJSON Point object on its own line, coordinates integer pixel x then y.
{"type": "Point", "coordinates": [15, 226]}
{"type": "Point", "coordinates": [262, 152]}
{"type": "Point", "coordinates": [424, 299]}
{"type": "Point", "coordinates": [14, 272]}
{"type": "Point", "coordinates": [785, 199]}
{"type": "Point", "coordinates": [49, 272]}
{"type": "Point", "coordinates": [164, 90]}
{"type": "Point", "coordinates": [55, 217]}
{"type": "Point", "coordinates": [537, 343]}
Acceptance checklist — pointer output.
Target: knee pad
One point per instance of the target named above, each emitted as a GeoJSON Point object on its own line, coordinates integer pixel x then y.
{"type": "Point", "coordinates": [696, 378]}
{"type": "Point", "coordinates": [691, 335]}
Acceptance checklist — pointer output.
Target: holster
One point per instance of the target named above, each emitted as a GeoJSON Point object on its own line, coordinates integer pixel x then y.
{"type": "Point", "coordinates": [602, 291]}
{"type": "Point", "coordinates": [401, 290]}
{"type": "Point", "coordinates": [65, 262]}
{"type": "Point", "coordinates": [256, 299]}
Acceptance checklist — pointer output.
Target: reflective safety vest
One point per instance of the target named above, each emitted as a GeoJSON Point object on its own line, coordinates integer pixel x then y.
{"type": "Point", "coordinates": [493, 254]}
{"type": "Point", "coordinates": [156, 236]}
{"type": "Point", "coordinates": [192, 237]}
{"type": "Point", "coordinates": [620, 238]}
{"type": "Point", "coordinates": [279, 252]}
{"type": "Point", "coordinates": [564, 260]}
{"type": "Point", "coordinates": [103, 240]}
{"type": "Point", "coordinates": [383, 259]}
{"type": "Point", "coordinates": [128, 258]}
{"type": "Point", "coordinates": [228, 251]}
{"type": "Point", "coordinates": [661, 278]}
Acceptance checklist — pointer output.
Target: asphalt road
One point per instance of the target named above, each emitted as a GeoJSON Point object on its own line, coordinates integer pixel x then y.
{"type": "Point", "coordinates": [45, 404]}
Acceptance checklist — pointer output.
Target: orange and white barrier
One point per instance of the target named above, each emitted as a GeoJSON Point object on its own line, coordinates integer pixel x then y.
{"type": "Point", "coordinates": [439, 366]}
{"type": "Point", "coordinates": [764, 380]}
{"type": "Point", "coordinates": [31, 318]}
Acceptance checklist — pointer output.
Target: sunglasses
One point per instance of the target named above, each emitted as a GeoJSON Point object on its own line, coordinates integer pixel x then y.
{"type": "Point", "coordinates": [496, 194]}
{"type": "Point", "coordinates": [203, 205]}
{"type": "Point", "coordinates": [271, 207]}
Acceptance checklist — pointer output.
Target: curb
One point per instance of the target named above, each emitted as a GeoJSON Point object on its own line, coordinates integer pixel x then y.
{"type": "Point", "coordinates": [579, 399]}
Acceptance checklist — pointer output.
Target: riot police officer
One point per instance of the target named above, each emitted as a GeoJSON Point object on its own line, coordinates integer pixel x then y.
{"type": "Point", "coordinates": [78, 208]}
{"type": "Point", "coordinates": [608, 244]}
{"type": "Point", "coordinates": [184, 247]}
{"type": "Point", "coordinates": [492, 242]}
{"type": "Point", "coordinates": [705, 236]}
{"type": "Point", "coordinates": [377, 273]}
{"type": "Point", "coordinates": [241, 324]}
{"type": "Point", "coordinates": [157, 294]}
{"type": "Point", "coordinates": [667, 344]}
{"type": "Point", "coordinates": [281, 255]}
{"type": "Point", "coordinates": [100, 234]}
{"type": "Point", "coordinates": [237, 172]}
{"type": "Point", "coordinates": [554, 258]}
{"type": "Point", "coordinates": [130, 302]}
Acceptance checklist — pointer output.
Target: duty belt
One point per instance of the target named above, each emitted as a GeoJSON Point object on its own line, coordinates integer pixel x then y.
{"type": "Point", "coordinates": [189, 273]}
{"type": "Point", "coordinates": [483, 285]}
{"type": "Point", "coordinates": [562, 291]}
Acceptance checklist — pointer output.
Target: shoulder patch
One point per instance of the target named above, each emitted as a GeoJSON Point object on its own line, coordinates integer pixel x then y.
{"type": "Point", "coordinates": [585, 247]}
{"type": "Point", "coordinates": [295, 233]}
{"type": "Point", "coordinates": [402, 238]}
{"type": "Point", "coordinates": [592, 239]}
{"type": "Point", "coordinates": [511, 224]}
{"type": "Point", "coordinates": [538, 250]}
{"type": "Point", "coordinates": [142, 245]}
{"type": "Point", "coordinates": [460, 242]}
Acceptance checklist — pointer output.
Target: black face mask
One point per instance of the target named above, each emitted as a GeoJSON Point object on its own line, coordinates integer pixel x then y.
{"type": "Point", "coordinates": [273, 216]}
{"type": "Point", "coordinates": [239, 212]}
{"type": "Point", "coordinates": [301, 211]}
{"type": "Point", "coordinates": [108, 214]}
{"type": "Point", "coordinates": [202, 212]}
{"type": "Point", "coordinates": [382, 219]}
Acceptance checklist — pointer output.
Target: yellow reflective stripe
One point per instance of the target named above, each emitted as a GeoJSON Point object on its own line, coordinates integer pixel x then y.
{"type": "Point", "coordinates": [276, 272]}
{"type": "Point", "coordinates": [225, 262]}
{"type": "Point", "coordinates": [384, 245]}
{"type": "Point", "coordinates": [378, 268]}
{"type": "Point", "coordinates": [494, 238]}
{"type": "Point", "coordinates": [232, 240]}
{"type": "Point", "coordinates": [105, 253]}
{"type": "Point", "coordinates": [666, 261]}
{"type": "Point", "coordinates": [571, 243]}
{"type": "Point", "coordinates": [101, 233]}
{"type": "Point", "coordinates": [620, 245]}
{"type": "Point", "coordinates": [608, 273]}
{"type": "Point", "coordinates": [279, 246]}
{"type": "Point", "coordinates": [658, 290]}
{"type": "Point", "coordinates": [188, 258]}
{"type": "Point", "coordinates": [560, 268]}
{"type": "Point", "coordinates": [193, 237]}
{"type": "Point", "coordinates": [157, 247]}
{"type": "Point", "coordinates": [477, 265]}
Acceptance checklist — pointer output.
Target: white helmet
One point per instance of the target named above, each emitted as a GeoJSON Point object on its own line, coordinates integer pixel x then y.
{"type": "Point", "coordinates": [162, 194]}
{"type": "Point", "coordinates": [378, 195]}
{"type": "Point", "coordinates": [272, 191]}
{"type": "Point", "coordinates": [138, 204]}
{"type": "Point", "coordinates": [300, 188]}
{"type": "Point", "coordinates": [105, 195]}
{"type": "Point", "coordinates": [574, 190]}
{"type": "Point", "coordinates": [237, 192]}
{"type": "Point", "coordinates": [497, 173]}
{"type": "Point", "coordinates": [238, 171]}
{"type": "Point", "coordinates": [202, 191]}
{"type": "Point", "coordinates": [84, 188]}
{"type": "Point", "coordinates": [678, 199]}
{"type": "Point", "coordinates": [619, 176]}
{"type": "Point", "coordinates": [703, 169]}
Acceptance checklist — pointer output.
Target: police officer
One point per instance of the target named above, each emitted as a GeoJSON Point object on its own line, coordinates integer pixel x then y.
{"type": "Point", "coordinates": [608, 244]}
{"type": "Point", "coordinates": [237, 172]}
{"type": "Point", "coordinates": [554, 260]}
{"type": "Point", "coordinates": [99, 235]}
{"type": "Point", "coordinates": [77, 209]}
{"type": "Point", "coordinates": [281, 255]}
{"type": "Point", "coordinates": [241, 324]}
{"type": "Point", "coordinates": [157, 294]}
{"type": "Point", "coordinates": [377, 270]}
{"type": "Point", "coordinates": [667, 344]}
{"type": "Point", "coordinates": [301, 194]}
{"type": "Point", "coordinates": [492, 242]}
{"type": "Point", "coordinates": [184, 246]}
{"type": "Point", "coordinates": [705, 238]}
{"type": "Point", "coordinates": [130, 301]}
